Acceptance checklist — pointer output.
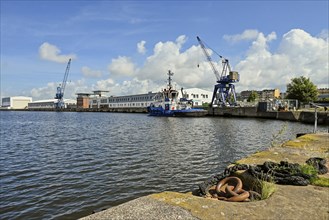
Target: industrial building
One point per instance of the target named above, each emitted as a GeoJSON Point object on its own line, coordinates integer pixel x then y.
{"type": "Point", "coordinates": [199, 96]}
{"type": "Point", "coordinates": [83, 100]}
{"type": "Point", "coordinates": [265, 94]}
{"type": "Point", "coordinates": [91, 100]}
{"type": "Point", "coordinates": [16, 102]}
{"type": "Point", "coordinates": [51, 104]}
{"type": "Point", "coordinates": [97, 99]}
{"type": "Point", "coordinates": [139, 101]}
{"type": "Point", "coordinates": [323, 93]}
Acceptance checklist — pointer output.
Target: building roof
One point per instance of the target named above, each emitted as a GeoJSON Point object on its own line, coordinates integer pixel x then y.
{"type": "Point", "coordinates": [84, 94]}
{"type": "Point", "coordinates": [53, 100]}
{"type": "Point", "coordinates": [196, 89]}
{"type": "Point", "coordinates": [21, 97]}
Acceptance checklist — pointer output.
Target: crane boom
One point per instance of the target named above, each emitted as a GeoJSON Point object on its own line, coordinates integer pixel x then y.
{"type": "Point", "coordinates": [61, 88]}
{"type": "Point", "coordinates": [209, 58]}
{"type": "Point", "coordinates": [66, 75]}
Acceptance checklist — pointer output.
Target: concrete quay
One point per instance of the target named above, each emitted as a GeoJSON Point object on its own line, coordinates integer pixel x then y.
{"type": "Point", "coordinates": [287, 202]}
{"type": "Point", "coordinates": [248, 112]}
{"type": "Point", "coordinates": [252, 112]}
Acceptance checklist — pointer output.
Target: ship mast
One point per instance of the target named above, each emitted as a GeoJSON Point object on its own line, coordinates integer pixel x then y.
{"type": "Point", "coordinates": [170, 74]}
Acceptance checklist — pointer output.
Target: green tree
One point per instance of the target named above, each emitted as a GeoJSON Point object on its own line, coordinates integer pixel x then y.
{"type": "Point", "coordinates": [253, 96]}
{"type": "Point", "coordinates": [302, 89]}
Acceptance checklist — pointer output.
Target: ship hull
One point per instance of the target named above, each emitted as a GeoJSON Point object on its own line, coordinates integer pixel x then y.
{"type": "Point", "coordinates": [158, 111]}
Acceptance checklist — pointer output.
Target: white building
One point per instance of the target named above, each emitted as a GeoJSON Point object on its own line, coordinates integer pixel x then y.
{"type": "Point", "coordinates": [128, 101]}
{"type": "Point", "coordinates": [16, 102]}
{"type": "Point", "coordinates": [199, 96]}
{"type": "Point", "coordinates": [50, 103]}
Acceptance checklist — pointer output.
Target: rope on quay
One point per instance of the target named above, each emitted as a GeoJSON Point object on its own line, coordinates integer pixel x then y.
{"type": "Point", "coordinates": [224, 186]}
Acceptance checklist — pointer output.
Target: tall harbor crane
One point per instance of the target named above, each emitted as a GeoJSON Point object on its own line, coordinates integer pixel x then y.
{"type": "Point", "coordinates": [224, 91]}
{"type": "Point", "coordinates": [61, 88]}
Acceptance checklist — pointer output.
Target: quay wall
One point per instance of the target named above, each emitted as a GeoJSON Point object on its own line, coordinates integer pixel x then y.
{"type": "Point", "coordinates": [119, 110]}
{"type": "Point", "coordinates": [252, 112]}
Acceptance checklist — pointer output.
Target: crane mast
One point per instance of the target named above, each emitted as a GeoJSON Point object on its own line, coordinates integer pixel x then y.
{"type": "Point", "coordinates": [61, 88]}
{"type": "Point", "coordinates": [224, 91]}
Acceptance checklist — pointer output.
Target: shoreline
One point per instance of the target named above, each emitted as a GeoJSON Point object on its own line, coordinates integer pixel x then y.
{"type": "Point", "coordinates": [307, 117]}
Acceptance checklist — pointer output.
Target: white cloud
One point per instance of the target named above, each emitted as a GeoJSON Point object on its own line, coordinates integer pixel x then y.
{"type": "Point", "coordinates": [324, 34]}
{"type": "Point", "coordinates": [259, 47]}
{"type": "Point", "coordinates": [136, 86]}
{"type": "Point", "coordinates": [141, 47]}
{"type": "Point", "coordinates": [152, 75]}
{"type": "Point", "coordinates": [127, 87]}
{"type": "Point", "coordinates": [168, 56]}
{"type": "Point", "coordinates": [49, 91]}
{"type": "Point", "coordinates": [122, 66]}
{"type": "Point", "coordinates": [181, 40]}
{"type": "Point", "coordinates": [103, 84]}
{"type": "Point", "coordinates": [247, 35]}
{"type": "Point", "coordinates": [299, 54]}
{"type": "Point", "coordinates": [50, 52]}
{"type": "Point", "coordinates": [87, 72]}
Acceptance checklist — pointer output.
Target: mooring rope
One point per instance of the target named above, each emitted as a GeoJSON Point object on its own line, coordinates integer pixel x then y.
{"type": "Point", "coordinates": [281, 173]}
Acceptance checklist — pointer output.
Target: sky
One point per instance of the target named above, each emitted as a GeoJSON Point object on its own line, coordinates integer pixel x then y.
{"type": "Point", "coordinates": [127, 47]}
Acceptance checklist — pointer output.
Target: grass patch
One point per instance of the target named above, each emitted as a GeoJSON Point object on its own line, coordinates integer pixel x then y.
{"type": "Point", "coordinates": [309, 137]}
{"type": "Point", "coordinates": [315, 180]}
{"type": "Point", "coordinates": [320, 181]}
{"type": "Point", "coordinates": [268, 188]}
{"type": "Point", "coordinates": [308, 169]}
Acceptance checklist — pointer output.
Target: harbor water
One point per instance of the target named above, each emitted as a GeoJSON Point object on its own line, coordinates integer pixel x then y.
{"type": "Point", "coordinates": [65, 165]}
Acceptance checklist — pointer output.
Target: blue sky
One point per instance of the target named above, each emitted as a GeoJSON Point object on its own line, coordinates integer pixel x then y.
{"type": "Point", "coordinates": [127, 47]}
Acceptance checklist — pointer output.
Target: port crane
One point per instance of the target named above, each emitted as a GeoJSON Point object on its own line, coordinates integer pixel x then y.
{"type": "Point", "coordinates": [61, 88]}
{"type": "Point", "coordinates": [224, 91]}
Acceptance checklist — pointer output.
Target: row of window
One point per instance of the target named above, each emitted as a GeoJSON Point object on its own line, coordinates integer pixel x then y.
{"type": "Point", "coordinates": [147, 98]}
{"type": "Point", "coordinates": [124, 99]}
{"type": "Point", "coordinates": [139, 104]}
{"type": "Point", "coordinates": [196, 96]}
{"type": "Point", "coordinates": [140, 98]}
{"type": "Point", "coordinates": [5, 100]}
{"type": "Point", "coordinates": [131, 104]}
{"type": "Point", "coordinates": [130, 99]}
{"type": "Point", "coordinates": [41, 105]}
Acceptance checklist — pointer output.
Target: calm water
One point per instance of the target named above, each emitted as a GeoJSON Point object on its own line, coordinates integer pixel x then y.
{"type": "Point", "coordinates": [61, 165]}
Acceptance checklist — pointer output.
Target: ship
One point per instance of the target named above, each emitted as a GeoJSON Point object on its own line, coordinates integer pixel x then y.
{"type": "Point", "coordinates": [167, 103]}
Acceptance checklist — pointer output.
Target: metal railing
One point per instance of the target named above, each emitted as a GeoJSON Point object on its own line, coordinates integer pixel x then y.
{"type": "Point", "coordinates": [316, 106]}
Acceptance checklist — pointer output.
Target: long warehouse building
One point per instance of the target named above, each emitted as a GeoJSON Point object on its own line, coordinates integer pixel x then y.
{"type": "Point", "coordinates": [97, 99]}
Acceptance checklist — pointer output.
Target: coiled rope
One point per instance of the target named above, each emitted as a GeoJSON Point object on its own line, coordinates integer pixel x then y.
{"type": "Point", "coordinates": [281, 173]}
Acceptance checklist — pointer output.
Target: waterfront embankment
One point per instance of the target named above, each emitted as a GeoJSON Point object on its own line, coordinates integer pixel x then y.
{"type": "Point", "coordinates": [253, 112]}
{"type": "Point", "coordinates": [287, 202]}
{"type": "Point", "coordinates": [246, 112]}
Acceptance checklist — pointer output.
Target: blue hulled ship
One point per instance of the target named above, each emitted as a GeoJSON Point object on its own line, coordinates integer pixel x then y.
{"type": "Point", "coordinates": [168, 103]}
